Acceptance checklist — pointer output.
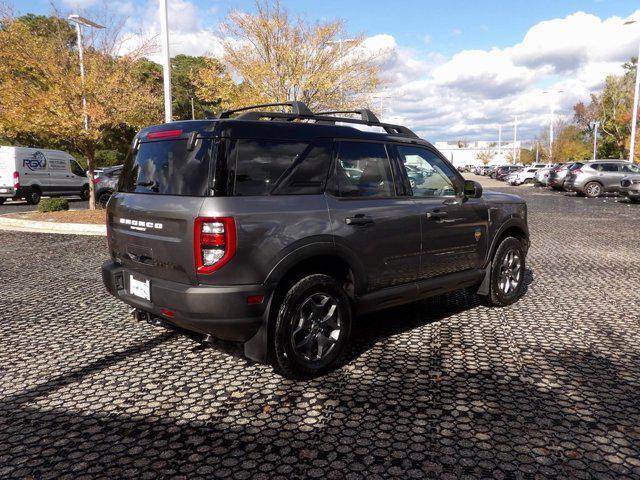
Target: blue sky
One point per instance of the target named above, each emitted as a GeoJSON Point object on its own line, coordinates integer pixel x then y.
{"type": "Point", "coordinates": [455, 69]}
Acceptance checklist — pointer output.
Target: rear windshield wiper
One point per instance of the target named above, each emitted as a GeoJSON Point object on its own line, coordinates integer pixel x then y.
{"type": "Point", "coordinates": [152, 185]}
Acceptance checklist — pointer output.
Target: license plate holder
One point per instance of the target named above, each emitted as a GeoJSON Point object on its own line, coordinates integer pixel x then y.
{"type": "Point", "coordinates": [140, 288]}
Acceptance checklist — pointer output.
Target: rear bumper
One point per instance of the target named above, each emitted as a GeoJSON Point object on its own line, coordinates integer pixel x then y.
{"type": "Point", "coordinates": [221, 311]}
{"type": "Point", "coordinates": [10, 192]}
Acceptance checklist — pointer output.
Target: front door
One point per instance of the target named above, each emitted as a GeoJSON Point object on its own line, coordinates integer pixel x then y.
{"type": "Point", "coordinates": [369, 218]}
{"type": "Point", "coordinates": [454, 228]}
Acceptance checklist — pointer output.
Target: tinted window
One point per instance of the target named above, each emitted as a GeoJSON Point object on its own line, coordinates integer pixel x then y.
{"type": "Point", "coordinates": [77, 169]}
{"type": "Point", "coordinates": [308, 175]}
{"type": "Point", "coordinates": [363, 170]}
{"type": "Point", "coordinates": [609, 167]}
{"type": "Point", "coordinates": [167, 168]}
{"type": "Point", "coordinates": [261, 163]}
{"type": "Point", "coordinates": [438, 178]}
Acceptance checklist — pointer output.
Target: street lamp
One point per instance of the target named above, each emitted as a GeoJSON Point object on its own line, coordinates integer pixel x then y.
{"type": "Point", "coordinates": [595, 138]}
{"type": "Point", "coordinates": [78, 20]}
{"type": "Point", "coordinates": [634, 120]}
{"type": "Point", "coordinates": [515, 138]}
{"type": "Point", "coordinates": [499, 141]}
{"type": "Point", "coordinates": [166, 61]}
{"type": "Point", "coordinates": [551, 105]}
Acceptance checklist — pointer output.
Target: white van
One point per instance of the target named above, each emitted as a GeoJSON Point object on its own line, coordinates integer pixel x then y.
{"type": "Point", "coordinates": [30, 173]}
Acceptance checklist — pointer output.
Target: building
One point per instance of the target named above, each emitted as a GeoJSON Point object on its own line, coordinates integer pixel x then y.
{"type": "Point", "coordinates": [461, 153]}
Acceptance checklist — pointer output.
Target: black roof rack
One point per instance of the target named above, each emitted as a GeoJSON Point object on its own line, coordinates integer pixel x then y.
{"type": "Point", "coordinates": [300, 111]}
{"type": "Point", "coordinates": [297, 108]}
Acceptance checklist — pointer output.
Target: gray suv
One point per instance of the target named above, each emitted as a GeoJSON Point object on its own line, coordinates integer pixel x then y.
{"type": "Point", "coordinates": [272, 230]}
{"type": "Point", "coordinates": [598, 177]}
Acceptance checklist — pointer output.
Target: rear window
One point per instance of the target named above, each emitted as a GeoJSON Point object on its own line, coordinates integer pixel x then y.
{"type": "Point", "coordinates": [166, 167]}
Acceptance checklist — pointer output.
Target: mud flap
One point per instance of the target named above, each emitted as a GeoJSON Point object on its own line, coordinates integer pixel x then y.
{"type": "Point", "coordinates": [257, 347]}
{"type": "Point", "coordinates": [485, 286]}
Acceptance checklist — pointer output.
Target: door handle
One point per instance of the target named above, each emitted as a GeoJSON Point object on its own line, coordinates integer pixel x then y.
{"type": "Point", "coordinates": [359, 219]}
{"type": "Point", "coordinates": [437, 215]}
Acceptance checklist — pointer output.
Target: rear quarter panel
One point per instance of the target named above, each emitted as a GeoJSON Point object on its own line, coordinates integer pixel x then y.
{"type": "Point", "coordinates": [268, 228]}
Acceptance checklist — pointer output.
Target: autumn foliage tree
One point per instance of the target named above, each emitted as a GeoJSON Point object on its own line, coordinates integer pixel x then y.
{"type": "Point", "coordinates": [277, 58]}
{"type": "Point", "coordinates": [41, 90]}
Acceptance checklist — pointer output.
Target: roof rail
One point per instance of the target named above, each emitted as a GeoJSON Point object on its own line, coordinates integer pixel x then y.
{"type": "Point", "coordinates": [365, 114]}
{"type": "Point", "coordinates": [297, 108]}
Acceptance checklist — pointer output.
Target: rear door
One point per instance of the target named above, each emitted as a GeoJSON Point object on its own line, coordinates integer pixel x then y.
{"type": "Point", "coordinates": [151, 217]}
{"type": "Point", "coordinates": [454, 229]}
{"type": "Point", "coordinates": [7, 167]}
{"type": "Point", "coordinates": [370, 218]}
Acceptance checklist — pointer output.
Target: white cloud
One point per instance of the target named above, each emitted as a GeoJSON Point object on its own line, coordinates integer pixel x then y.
{"type": "Point", "coordinates": [79, 4]}
{"type": "Point", "coordinates": [470, 93]}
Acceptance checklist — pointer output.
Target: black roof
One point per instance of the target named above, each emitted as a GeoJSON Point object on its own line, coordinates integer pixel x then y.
{"type": "Point", "coordinates": [299, 124]}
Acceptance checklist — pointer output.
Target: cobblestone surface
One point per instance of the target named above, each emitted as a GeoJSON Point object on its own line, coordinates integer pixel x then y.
{"type": "Point", "coordinates": [445, 388]}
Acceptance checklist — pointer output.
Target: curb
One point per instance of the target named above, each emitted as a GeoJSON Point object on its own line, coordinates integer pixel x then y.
{"type": "Point", "coordinates": [18, 225]}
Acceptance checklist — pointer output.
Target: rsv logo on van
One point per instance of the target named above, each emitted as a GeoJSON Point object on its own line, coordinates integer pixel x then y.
{"type": "Point", "coordinates": [37, 161]}
{"type": "Point", "coordinates": [139, 225]}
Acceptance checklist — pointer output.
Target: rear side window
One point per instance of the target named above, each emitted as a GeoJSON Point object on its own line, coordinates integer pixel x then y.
{"type": "Point", "coordinates": [260, 164]}
{"type": "Point", "coordinates": [167, 167]}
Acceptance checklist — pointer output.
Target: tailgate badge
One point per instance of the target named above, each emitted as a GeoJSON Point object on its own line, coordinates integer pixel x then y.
{"type": "Point", "coordinates": [139, 225]}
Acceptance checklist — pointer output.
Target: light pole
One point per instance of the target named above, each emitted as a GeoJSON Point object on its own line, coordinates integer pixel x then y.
{"type": "Point", "coordinates": [166, 61]}
{"type": "Point", "coordinates": [595, 139]}
{"type": "Point", "coordinates": [78, 20]}
{"type": "Point", "coordinates": [634, 120]}
{"type": "Point", "coordinates": [515, 139]}
{"type": "Point", "coordinates": [551, 105]}
{"type": "Point", "coordinates": [339, 42]}
{"type": "Point", "coordinates": [499, 141]}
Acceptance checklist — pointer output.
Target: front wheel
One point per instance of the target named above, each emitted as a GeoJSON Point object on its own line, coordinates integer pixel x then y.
{"type": "Point", "coordinates": [84, 193]}
{"type": "Point", "coordinates": [507, 273]}
{"type": "Point", "coordinates": [312, 327]}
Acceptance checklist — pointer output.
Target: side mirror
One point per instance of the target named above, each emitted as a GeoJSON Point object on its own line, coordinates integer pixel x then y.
{"type": "Point", "coordinates": [472, 189]}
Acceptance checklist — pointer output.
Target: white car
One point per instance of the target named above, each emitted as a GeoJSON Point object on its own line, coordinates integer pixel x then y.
{"type": "Point", "coordinates": [525, 175]}
{"type": "Point", "coordinates": [30, 173]}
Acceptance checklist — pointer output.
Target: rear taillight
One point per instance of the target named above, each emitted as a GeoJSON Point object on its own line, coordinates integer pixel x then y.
{"type": "Point", "coordinates": [214, 242]}
{"type": "Point", "coordinates": [16, 180]}
{"type": "Point", "coordinates": [96, 180]}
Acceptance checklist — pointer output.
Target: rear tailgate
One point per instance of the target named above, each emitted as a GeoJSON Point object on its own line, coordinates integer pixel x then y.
{"type": "Point", "coordinates": [160, 192]}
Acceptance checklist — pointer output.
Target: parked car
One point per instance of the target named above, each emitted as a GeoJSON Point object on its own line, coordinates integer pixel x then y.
{"type": "Point", "coordinates": [267, 242]}
{"type": "Point", "coordinates": [526, 175]}
{"type": "Point", "coordinates": [558, 174]}
{"type": "Point", "coordinates": [502, 172]}
{"type": "Point", "coordinates": [30, 173]}
{"type": "Point", "coordinates": [598, 177]}
{"type": "Point", "coordinates": [541, 177]}
{"type": "Point", "coordinates": [630, 187]}
{"type": "Point", "coordinates": [106, 183]}
{"type": "Point", "coordinates": [416, 176]}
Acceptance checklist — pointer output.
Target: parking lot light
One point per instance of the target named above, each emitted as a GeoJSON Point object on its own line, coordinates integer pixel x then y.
{"type": "Point", "coordinates": [634, 120]}
{"type": "Point", "coordinates": [595, 139]}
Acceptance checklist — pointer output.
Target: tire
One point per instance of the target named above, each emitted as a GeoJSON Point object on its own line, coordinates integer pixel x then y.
{"type": "Point", "coordinates": [2, 200]}
{"type": "Point", "coordinates": [84, 193]}
{"type": "Point", "coordinates": [592, 190]}
{"type": "Point", "coordinates": [103, 198]}
{"type": "Point", "coordinates": [33, 196]}
{"type": "Point", "coordinates": [501, 294]}
{"type": "Point", "coordinates": [300, 335]}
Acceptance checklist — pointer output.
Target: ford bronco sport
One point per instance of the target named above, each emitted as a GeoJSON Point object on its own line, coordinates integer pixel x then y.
{"type": "Point", "coordinates": [273, 229]}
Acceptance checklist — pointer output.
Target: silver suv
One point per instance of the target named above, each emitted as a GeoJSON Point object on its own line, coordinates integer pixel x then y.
{"type": "Point", "coordinates": [601, 176]}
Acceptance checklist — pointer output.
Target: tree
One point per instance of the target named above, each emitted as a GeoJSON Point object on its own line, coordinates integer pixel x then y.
{"type": "Point", "coordinates": [485, 156]}
{"type": "Point", "coordinates": [279, 58]}
{"type": "Point", "coordinates": [41, 91]}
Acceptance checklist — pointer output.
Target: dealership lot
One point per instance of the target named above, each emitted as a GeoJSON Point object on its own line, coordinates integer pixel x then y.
{"type": "Point", "coordinates": [548, 387]}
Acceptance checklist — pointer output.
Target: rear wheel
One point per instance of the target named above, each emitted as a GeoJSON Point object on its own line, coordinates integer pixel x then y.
{"type": "Point", "coordinates": [2, 200]}
{"type": "Point", "coordinates": [593, 189]}
{"type": "Point", "coordinates": [312, 327]}
{"type": "Point", "coordinates": [507, 273]}
{"type": "Point", "coordinates": [33, 197]}
{"type": "Point", "coordinates": [103, 198]}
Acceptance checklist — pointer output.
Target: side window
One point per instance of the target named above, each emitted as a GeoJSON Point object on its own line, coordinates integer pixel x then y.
{"type": "Point", "coordinates": [308, 175]}
{"type": "Point", "coordinates": [363, 170]}
{"type": "Point", "coordinates": [631, 168]}
{"type": "Point", "coordinates": [261, 163]}
{"type": "Point", "coordinates": [77, 169]}
{"type": "Point", "coordinates": [428, 174]}
{"type": "Point", "coordinates": [608, 167]}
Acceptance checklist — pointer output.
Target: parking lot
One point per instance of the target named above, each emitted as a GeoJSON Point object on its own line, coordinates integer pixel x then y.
{"type": "Point", "coordinates": [444, 388]}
